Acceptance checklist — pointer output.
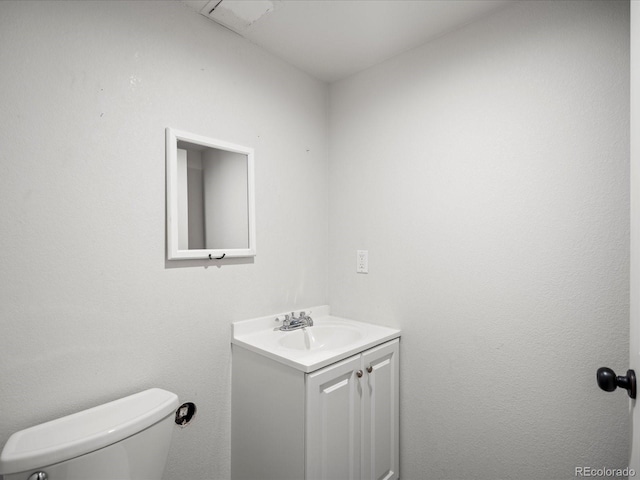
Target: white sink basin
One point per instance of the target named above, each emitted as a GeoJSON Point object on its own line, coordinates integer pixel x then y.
{"type": "Point", "coordinates": [329, 340]}
{"type": "Point", "coordinates": [320, 336]}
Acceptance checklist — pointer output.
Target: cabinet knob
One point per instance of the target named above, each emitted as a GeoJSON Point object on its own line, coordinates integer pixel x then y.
{"type": "Point", "coordinates": [359, 373]}
{"type": "Point", "coordinates": [369, 369]}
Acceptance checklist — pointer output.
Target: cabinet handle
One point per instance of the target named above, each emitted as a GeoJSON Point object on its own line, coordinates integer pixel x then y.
{"type": "Point", "coordinates": [369, 369]}
{"type": "Point", "coordinates": [359, 373]}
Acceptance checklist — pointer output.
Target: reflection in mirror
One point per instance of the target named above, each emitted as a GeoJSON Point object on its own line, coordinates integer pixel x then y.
{"type": "Point", "coordinates": [209, 198]}
{"type": "Point", "coordinates": [212, 207]}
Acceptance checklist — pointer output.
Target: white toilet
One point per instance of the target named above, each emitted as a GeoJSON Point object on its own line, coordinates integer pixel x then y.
{"type": "Point", "coordinates": [127, 439]}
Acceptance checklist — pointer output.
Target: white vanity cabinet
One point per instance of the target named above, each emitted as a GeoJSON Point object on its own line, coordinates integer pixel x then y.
{"type": "Point", "coordinates": [352, 417]}
{"type": "Point", "coordinates": [340, 422]}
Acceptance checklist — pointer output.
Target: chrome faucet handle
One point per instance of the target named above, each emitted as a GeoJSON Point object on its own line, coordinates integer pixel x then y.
{"type": "Point", "coordinates": [302, 315]}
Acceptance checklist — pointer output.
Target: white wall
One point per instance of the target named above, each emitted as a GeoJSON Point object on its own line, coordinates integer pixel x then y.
{"type": "Point", "coordinates": [90, 311]}
{"type": "Point", "coordinates": [487, 175]}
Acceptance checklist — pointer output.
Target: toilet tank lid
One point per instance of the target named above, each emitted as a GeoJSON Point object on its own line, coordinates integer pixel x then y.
{"type": "Point", "coordinates": [84, 432]}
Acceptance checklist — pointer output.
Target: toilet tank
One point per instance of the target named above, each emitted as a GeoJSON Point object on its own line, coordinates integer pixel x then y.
{"type": "Point", "coordinates": [127, 439]}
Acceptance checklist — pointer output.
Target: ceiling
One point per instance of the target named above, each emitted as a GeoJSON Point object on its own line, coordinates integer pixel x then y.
{"type": "Point", "coordinates": [332, 39]}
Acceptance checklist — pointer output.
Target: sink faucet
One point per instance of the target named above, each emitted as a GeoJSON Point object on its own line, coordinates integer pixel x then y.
{"type": "Point", "coordinates": [293, 323]}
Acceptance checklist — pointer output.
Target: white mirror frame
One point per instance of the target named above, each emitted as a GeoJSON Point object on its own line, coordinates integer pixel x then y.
{"type": "Point", "coordinates": [173, 136]}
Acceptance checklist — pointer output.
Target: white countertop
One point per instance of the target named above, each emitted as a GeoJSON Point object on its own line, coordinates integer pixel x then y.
{"type": "Point", "coordinates": [329, 340]}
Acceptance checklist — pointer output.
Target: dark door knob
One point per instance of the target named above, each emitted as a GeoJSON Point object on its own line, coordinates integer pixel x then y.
{"type": "Point", "coordinates": [608, 381]}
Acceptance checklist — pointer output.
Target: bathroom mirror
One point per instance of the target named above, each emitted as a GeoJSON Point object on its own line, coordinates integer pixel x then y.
{"type": "Point", "coordinates": [210, 198]}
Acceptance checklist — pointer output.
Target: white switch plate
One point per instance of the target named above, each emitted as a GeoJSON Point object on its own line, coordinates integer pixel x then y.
{"type": "Point", "coordinates": [362, 261]}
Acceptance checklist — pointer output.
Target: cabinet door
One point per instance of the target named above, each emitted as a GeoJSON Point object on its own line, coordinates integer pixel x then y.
{"type": "Point", "coordinates": [333, 422]}
{"type": "Point", "coordinates": [381, 412]}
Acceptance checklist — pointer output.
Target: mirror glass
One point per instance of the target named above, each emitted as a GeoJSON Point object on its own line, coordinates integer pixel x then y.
{"type": "Point", "coordinates": [209, 198]}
